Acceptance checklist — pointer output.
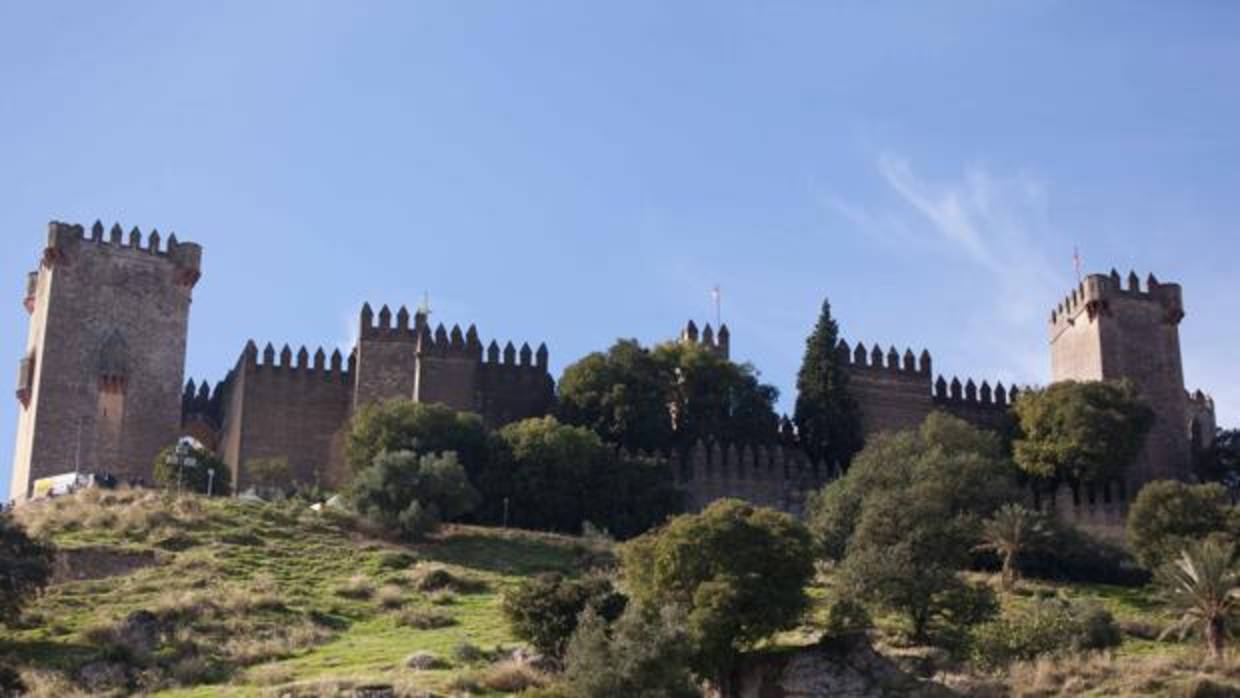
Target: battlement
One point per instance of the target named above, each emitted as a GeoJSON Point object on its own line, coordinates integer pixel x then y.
{"type": "Point", "coordinates": [445, 343]}
{"type": "Point", "coordinates": [336, 368]}
{"type": "Point", "coordinates": [718, 344]}
{"type": "Point", "coordinates": [1094, 295]}
{"type": "Point", "coordinates": [969, 393]}
{"type": "Point", "coordinates": [64, 236]}
{"type": "Point", "coordinates": [1200, 401]}
{"type": "Point", "coordinates": [875, 359]}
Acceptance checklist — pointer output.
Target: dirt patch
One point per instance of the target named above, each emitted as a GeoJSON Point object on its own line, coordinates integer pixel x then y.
{"type": "Point", "coordinates": [76, 564]}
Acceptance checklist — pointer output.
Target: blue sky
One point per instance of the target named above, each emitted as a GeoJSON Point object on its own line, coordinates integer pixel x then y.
{"type": "Point", "coordinates": [575, 172]}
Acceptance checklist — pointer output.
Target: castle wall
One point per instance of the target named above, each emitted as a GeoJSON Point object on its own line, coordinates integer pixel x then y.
{"type": "Point", "coordinates": [776, 476]}
{"type": "Point", "coordinates": [386, 358]}
{"type": "Point", "coordinates": [514, 388]}
{"type": "Point", "coordinates": [106, 353]}
{"type": "Point", "coordinates": [286, 409]}
{"type": "Point", "coordinates": [891, 393]}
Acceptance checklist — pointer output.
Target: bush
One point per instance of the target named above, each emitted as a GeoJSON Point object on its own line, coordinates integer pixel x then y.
{"type": "Point", "coordinates": [1166, 515]}
{"type": "Point", "coordinates": [424, 619]}
{"type": "Point", "coordinates": [356, 587]}
{"type": "Point", "coordinates": [544, 610]}
{"type": "Point", "coordinates": [395, 560]}
{"type": "Point", "coordinates": [25, 568]}
{"type": "Point", "coordinates": [172, 470]}
{"type": "Point", "coordinates": [739, 570]}
{"type": "Point", "coordinates": [1045, 627]}
{"type": "Point", "coordinates": [646, 653]}
{"type": "Point", "coordinates": [847, 617]}
{"type": "Point", "coordinates": [412, 494]}
{"type": "Point", "coordinates": [433, 578]}
{"type": "Point", "coordinates": [1072, 555]}
{"type": "Point", "coordinates": [512, 677]}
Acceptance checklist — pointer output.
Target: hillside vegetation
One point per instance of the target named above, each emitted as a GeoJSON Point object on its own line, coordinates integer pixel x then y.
{"type": "Point", "coordinates": [189, 596]}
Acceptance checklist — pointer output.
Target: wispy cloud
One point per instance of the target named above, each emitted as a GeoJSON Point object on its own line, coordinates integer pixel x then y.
{"type": "Point", "coordinates": [999, 226]}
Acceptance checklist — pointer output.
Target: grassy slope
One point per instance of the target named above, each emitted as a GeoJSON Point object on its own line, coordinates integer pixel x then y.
{"type": "Point", "coordinates": [232, 552]}
{"type": "Point", "coordinates": [276, 570]}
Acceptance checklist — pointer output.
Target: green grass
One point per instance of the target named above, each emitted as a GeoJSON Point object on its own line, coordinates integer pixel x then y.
{"type": "Point", "coordinates": [234, 550]}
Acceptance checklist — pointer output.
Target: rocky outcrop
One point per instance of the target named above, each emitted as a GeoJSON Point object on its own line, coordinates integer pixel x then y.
{"type": "Point", "coordinates": [839, 668]}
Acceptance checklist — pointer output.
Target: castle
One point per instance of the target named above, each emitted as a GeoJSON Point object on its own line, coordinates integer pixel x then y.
{"type": "Point", "coordinates": [102, 389]}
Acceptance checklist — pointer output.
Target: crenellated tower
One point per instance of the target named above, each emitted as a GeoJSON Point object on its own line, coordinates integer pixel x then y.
{"type": "Point", "coordinates": [100, 383]}
{"type": "Point", "coordinates": [1109, 328]}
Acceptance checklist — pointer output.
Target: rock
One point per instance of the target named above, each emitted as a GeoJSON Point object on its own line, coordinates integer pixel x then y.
{"type": "Point", "coordinates": [140, 632]}
{"type": "Point", "coordinates": [100, 677]}
{"type": "Point", "coordinates": [841, 669]}
{"type": "Point", "coordinates": [374, 691]}
{"type": "Point", "coordinates": [424, 661]}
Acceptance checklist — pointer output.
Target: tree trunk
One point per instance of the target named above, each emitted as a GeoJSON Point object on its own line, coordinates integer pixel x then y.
{"type": "Point", "coordinates": [1009, 570]}
{"type": "Point", "coordinates": [1214, 637]}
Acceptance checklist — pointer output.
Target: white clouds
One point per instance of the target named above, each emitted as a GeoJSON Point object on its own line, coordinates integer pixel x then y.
{"type": "Point", "coordinates": [991, 231]}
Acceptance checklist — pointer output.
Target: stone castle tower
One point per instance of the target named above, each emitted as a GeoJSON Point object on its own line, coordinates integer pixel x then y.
{"type": "Point", "coordinates": [100, 381]}
{"type": "Point", "coordinates": [1106, 330]}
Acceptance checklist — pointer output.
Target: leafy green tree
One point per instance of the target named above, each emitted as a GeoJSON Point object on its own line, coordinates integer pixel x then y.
{"type": "Point", "coordinates": [555, 476]}
{"type": "Point", "coordinates": [191, 471]}
{"type": "Point", "coordinates": [1167, 515]}
{"type": "Point", "coordinates": [667, 397]}
{"type": "Point", "coordinates": [1221, 462]}
{"type": "Point", "coordinates": [1080, 431]}
{"type": "Point", "coordinates": [1011, 531]}
{"type": "Point", "coordinates": [710, 397]}
{"type": "Point", "coordinates": [1203, 586]}
{"type": "Point", "coordinates": [739, 571]}
{"type": "Point", "coordinates": [960, 468]}
{"type": "Point", "coordinates": [412, 493]}
{"type": "Point", "coordinates": [645, 654]}
{"type": "Point", "coordinates": [826, 415]}
{"type": "Point", "coordinates": [620, 394]}
{"type": "Point", "coordinates": [544, 610]}
{"type": "Point", "coordinates": [25, 567]}
{"type": "Point", "coordinates": [905, 556]}
{"type": "Point", "coordinates": [404, 425]}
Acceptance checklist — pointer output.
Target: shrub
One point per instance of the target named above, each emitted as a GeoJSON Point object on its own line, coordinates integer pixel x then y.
{"type": "Point", "coordinates": [1167, 515]}
{"type": "Point", "coordinates": [356, 587]}
{"type": "Point", "coordinates": [739, 570]}
{"type": "Point", "coordinates": [1042, 628]}
{"type": "Point", "coordinates": [1073, 555]}
{"type": "Point", "coordinates": [172, 470]}
{"type": "Point", "coordinates": [847, 617]}
{"type": "Point", "coordinates": [390, 596]}
{"type": "Point", "coordinates": [412, 494]}
{"type": "Point", "coordinates": [25, 568]}
{"type": "Point", "coordinates": [646, 653]}
{"type": "Point", "coordinates": [510, 676]}
{"type": "Point", "coordinates": [544, 610]}
{"type": "Point", "coordinates": [468, 652]}
{"type": "Point", "coordinates": [424, 619]}
{"type": "Point", "coordinates": [432, 578]}
{"type": "Point", "coordinates": [396, 560]}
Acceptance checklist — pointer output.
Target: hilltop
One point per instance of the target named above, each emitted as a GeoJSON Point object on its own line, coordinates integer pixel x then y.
{"type": "Point", "coordinates": [189, 596]}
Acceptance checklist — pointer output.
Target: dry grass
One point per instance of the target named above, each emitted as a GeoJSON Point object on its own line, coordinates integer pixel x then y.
{"type": "Point", "coordinates": [510, 676]}
{"type": "Point", "coordinates": [49, 684]}
{"type": "Point", "coordinates": [424, 618]}
{"type": "Point", "coordinates": [437, 578]}
{"type": "Point", "coordinates": [390, 596]}
{"type": "Point", "coordinates": [1101, 673]}
{"type": "Point", "coordinates": [358, 586]}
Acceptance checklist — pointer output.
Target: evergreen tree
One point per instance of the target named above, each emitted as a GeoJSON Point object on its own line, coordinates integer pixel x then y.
{"type": "Point", "coordinates": [826, 415]}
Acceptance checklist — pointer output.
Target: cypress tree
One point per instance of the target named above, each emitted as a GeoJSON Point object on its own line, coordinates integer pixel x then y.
{"type": "Point", "coordinates": [826, 415]}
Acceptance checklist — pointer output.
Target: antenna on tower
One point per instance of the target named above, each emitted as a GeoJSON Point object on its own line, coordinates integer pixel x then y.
{"type": "Point", "coordinates": [425, 307]}
{"type": "Point", "coordinates": [1076, 262]}
{"type": "Point", "coordinates": [716, 296]}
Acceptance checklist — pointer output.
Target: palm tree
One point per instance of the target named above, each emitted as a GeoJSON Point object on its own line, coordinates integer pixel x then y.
{"type": "Point", "coordinates": [1012, 530]}
{"type": "Point", "coordinates": [1203, 585]}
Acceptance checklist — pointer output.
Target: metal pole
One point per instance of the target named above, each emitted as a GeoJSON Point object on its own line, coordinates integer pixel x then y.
{"type": "Point", "coordinates": [210, 481]}
{"type": "Point", "coordinates": [77, 452]}
{"type": "Point", "coordinates": [505, 512]}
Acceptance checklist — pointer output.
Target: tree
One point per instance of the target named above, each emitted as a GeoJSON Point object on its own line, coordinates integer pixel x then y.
{"type": "Point", "coordinates": [959, 467]}
{"type": "Point", "coordinates": [25, 568]}
{"type": "Point", "coordinates": [905, 556]}
{"type": "Point", "coordinates": [1203, 585]}
{"type": "Point", "coordinates": [826, 415]}
{"type": "Point", "coordinates": [191, 470]}
{"type": "Point", "coordinates": [620, 394]}
{"type": "Point", "coordinates": [412, 493]}
{"type": "Point", "coordinates": [1166, 515]}
{"type": "Point", "coordinates": [1221, 462]}
{"type": "Point", "coordinates": [557, 477]}
{"type": "Point", "coordinates": [269, 473]}
{"type": "Point", "coordinates": [544, 610]}
{"type": "Point", "coordinates": [642, 655]}
{"type": "Point", "coordinates": [1011, 531]}
{"type": "Point", "coordinates": [739, 571]}
{"type": "Point", "coordinates": [404, 425]}
{"type": "Point", "coordinates": [667, 397]}
{"type": "Point", "coordinates": [1080, 431]}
